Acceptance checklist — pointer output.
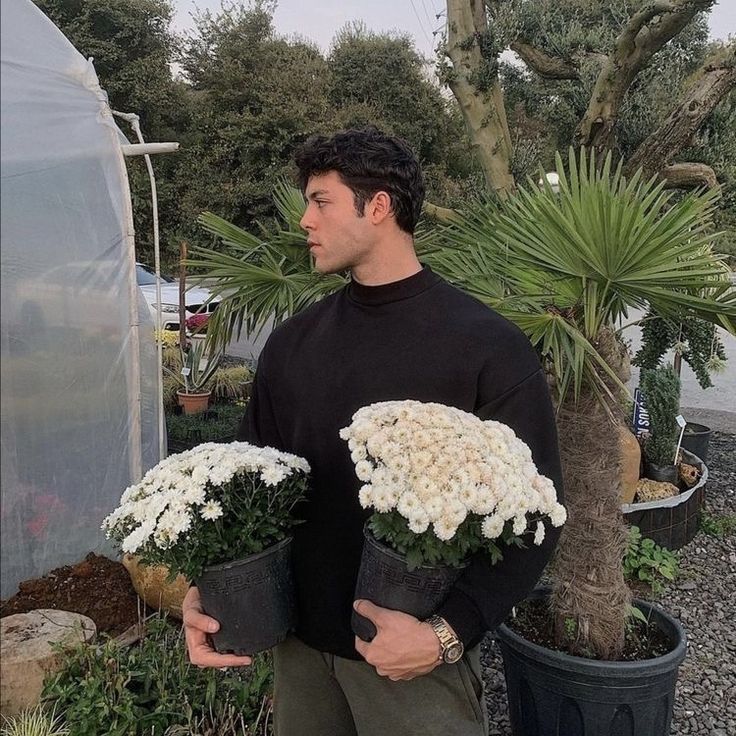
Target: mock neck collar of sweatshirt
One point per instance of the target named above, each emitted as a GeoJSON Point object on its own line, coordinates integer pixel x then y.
{"type": "Point", "coordinates": [394, 291]}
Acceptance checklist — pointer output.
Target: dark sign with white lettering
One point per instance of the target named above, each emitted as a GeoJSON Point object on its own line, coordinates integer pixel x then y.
{"type": "Point", "coordinates": [641, 415]}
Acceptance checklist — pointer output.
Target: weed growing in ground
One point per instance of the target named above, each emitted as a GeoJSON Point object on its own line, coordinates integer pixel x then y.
{"type": "Point", "coordinates": [645, 560]}
{"type": "Point", "coordinates": [717, 525]}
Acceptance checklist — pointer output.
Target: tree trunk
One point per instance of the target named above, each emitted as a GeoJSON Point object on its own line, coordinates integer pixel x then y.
{"type": "Point", "coordinates": [677, 130]}
{"type": "Point", "coordinates": [656, 23]}
{"type": "Point", "coordinates": [590, 597]}
{"type": "Point", "coordinates": [474, 82]}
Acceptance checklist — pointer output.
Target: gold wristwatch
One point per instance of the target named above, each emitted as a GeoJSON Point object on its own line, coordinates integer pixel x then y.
{"type": "Point", "coordinates": [452, 647]}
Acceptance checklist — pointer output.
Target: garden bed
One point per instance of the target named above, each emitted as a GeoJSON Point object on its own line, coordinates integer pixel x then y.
{"type": "Point", "coordinates": [700, 598]}
{"type": "Point", "coordinates": [96, 587]}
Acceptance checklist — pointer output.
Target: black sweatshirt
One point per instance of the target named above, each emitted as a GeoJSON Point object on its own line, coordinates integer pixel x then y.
{"type": "Point", "coordinates": [418, 338]}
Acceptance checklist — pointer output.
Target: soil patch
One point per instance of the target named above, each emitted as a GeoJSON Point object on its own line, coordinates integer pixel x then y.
{"type": "Point", "coordinates": [97, 587]}
{"type": "Point", "coordinates": [534, 622]}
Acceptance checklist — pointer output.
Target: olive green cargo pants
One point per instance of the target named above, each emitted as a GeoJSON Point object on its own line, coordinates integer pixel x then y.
{"type": "Point", "coordinates": [318, 694]}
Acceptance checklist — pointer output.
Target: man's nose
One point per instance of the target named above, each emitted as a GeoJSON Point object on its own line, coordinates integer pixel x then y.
{"type": "Point", "coordinates": [306, 222]}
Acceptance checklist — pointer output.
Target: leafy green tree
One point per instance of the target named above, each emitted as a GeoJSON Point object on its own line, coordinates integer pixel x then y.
{"type": "Point", "coordinates": [613, 64]}
{"type": "Point", "coordinates": [380, 79]}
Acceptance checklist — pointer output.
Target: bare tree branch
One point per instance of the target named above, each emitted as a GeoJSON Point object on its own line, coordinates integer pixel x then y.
{"type": "Point", "coordinates": [474, 81]}
{"type": "Point", "coordinates": [689, 176]}
{"type": "Point", "coordinates": [647, 31]}
{"type": "Point", "coordinates": [548, 67]}
{"type": "Point", "coordinates": [710, 86]}
{"type": "Point", "coordinates": [440, 214]}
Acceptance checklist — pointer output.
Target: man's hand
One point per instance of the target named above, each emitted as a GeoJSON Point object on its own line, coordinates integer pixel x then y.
{"type": "Point", "coordinates": [404, 647]}
{"type": "Point", "coordinates": [196, 627]}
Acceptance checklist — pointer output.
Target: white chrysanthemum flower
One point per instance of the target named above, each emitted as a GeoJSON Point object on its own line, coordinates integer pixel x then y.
{"type": "Point", "coordinates": [273, 475]}
{"type": "Point", "coordinates": [364, 470]}
{"type": "Point", "coordinates": [365, 496]}
{"type": "Point", "coordinates": [381, 500]}
{"type": "Point", "coordinates": [492, 526]}
{"type": "Point", "coordinates": [519, 524]}
{"type": "Point", "coordinates": [419, 523]}
{"type": "Point", "coordinates": [444, 529]}
{"type": "Point", "coordinates": [211, 510]}
{"type": "Point", "coordinates": [539, 533]}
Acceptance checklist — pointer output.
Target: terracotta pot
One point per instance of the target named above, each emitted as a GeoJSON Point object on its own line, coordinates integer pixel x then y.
{"type": "Point", "coordinates": [630, 463]}
{"type": "Point", "coordinates": [150, 583]}
{"type": "Point", "coordinates": [194, 403]}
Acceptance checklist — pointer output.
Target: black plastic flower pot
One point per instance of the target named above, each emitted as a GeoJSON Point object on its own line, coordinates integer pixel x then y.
{"type": "Point", "coordinates": [696, 439]}
{"type": "Point", "coordinates": [551, 693]}
{"type": "Point", "coordinates": [663, 473]}
{"type": "Point", "coordinates": [253, 599]}
{"type": "Point", "coordinates": [385, 579]}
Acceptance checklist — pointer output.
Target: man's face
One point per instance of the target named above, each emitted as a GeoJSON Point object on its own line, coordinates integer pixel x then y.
{"type": "Point", "coordinates": [339, 239]}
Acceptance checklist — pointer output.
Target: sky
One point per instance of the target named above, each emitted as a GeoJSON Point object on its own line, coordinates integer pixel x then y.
{"type": "Point", "coordinates": [319, 20]}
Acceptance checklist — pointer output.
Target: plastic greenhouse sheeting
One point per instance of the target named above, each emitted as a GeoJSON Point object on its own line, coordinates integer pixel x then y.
{"type": "Point", "coordinates": [79, 406]}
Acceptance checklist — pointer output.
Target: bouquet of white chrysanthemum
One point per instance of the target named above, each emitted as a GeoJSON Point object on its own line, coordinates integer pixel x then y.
{"type": "Point", "coordinates": [209, 505]}
{"type": "Point", "coordinates": [220, 514]}
{"type": "Point", "coordinates": [444, 484]}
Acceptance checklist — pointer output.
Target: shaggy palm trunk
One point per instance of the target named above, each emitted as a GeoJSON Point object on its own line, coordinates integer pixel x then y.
{"type": "Point", "coordinates": [590, 597]}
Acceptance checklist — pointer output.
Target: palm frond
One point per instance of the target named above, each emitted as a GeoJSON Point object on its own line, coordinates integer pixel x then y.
{"type": "Point", "coordinates": [565, 265]}
{"type": "Point", "coordinates": [258, 281]}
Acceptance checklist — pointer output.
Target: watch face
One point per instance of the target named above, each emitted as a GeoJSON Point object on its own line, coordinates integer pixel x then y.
{"type": "Point", "coordinates": [453, 653]}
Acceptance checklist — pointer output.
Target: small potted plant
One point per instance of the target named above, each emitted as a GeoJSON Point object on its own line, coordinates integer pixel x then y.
{"type": "Point", "coordinates": [444, 485]}
{"type": "Point", "coordinates": [196, 372]}
{"type": "Point", "coordinates": [661, 389]}
{"type": "Point", "coordinates": [220, 515]}
{"type": "Point", "coordinates": [694, 341]}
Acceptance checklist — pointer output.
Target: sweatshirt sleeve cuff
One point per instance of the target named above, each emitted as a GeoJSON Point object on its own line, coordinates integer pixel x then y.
{"type": "Point", "coordinates": [464, 617]}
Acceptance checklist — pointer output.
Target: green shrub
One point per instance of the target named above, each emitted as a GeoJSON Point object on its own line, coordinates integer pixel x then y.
{"type": "Point", "coordinates": [645, 560]}
{"type": "Point", "coordinates": [661, 388]}
{"type": "Point", "coordinates": [218, 424]}
{"type": "Point", "coordinates": [149, 687]}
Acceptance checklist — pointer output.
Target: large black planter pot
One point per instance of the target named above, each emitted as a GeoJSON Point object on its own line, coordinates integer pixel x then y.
{"type": "Point", "coordinates": [671, 522]}
{"type": "Point", "coordinates": [696, 440]}
{"type": "Point", "coordinates": [253, 599]}
{"type": "Point", "coordinates": [385, 579]}
{"type": "Point", "coordinates": [555, 694]}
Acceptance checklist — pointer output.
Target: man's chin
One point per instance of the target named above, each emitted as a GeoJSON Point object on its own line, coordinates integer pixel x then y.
{"type": "Point", "coordinates": [325, 268]}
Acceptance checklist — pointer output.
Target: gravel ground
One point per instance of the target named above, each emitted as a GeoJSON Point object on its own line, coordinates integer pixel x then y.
{"type": "Point", "coordinates": [703, 598]}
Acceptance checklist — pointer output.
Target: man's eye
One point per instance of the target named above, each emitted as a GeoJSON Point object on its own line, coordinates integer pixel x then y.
{"type": "Point", "coordinates": [319, 203]}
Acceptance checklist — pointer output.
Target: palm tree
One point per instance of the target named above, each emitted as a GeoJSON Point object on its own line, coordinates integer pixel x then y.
{"type": "Point", "coordinates": [574, 263]}
{"type": "Point", "coordinates": [565, 267]}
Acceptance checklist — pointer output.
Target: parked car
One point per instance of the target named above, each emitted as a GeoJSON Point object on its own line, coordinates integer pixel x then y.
{"type": "Point", "coordinates": [196, 298]}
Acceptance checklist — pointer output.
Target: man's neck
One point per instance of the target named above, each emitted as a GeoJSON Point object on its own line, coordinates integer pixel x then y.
{"type": "Point", "coordinates": [393, 263]}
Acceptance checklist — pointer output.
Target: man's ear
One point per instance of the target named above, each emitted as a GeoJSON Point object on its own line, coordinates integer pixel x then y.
{"type": "Point", "coordinates": [379, 208]}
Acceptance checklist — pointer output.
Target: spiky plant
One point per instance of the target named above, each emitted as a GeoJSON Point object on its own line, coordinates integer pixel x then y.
{"type": "Point", "coordinates": [37, 721]}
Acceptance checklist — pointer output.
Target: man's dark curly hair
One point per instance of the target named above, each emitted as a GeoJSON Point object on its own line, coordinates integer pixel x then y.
{"type": "Point", "coordinates": [368, 161]}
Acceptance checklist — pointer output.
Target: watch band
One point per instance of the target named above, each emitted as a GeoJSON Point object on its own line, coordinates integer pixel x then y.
{"type": "Point", "coordinates": [449, 643]}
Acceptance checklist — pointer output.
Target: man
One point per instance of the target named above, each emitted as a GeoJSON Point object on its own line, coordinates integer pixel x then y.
{"type": "Point", "coordinates": [397, 331]}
